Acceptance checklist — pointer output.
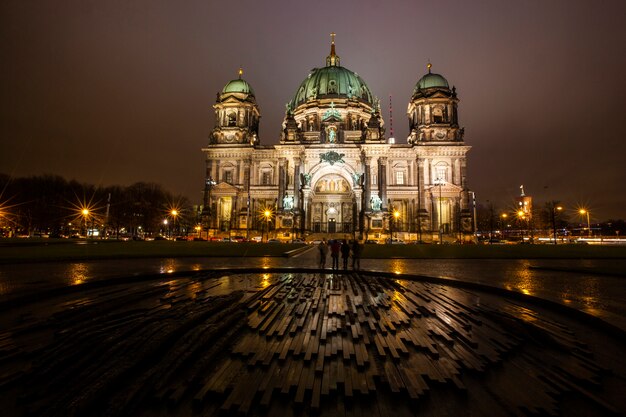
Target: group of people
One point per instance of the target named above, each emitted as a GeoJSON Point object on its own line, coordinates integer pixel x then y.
{"type": "Point", "coordinates": [343, 248]}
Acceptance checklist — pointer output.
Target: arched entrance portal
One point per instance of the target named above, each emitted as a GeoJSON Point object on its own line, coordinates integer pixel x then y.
{"type": "Point", "coordinates": [333, 207]}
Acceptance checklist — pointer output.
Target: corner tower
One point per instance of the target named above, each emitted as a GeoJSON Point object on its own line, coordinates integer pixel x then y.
{"type": "Point", "coordinates": [443, 204]}
{"type": "Point", "coordinates": [433, 111]}
{"type": "Point", "coordinates": [236, 114]}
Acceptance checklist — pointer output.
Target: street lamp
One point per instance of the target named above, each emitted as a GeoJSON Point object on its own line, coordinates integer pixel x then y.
{"type": "Point", "coordinates": [503, 218]}
{"type": "Point", "coordinates": [267, 214]}
{"type": "Point", "coordinates": [583, 212]}
{"type": "Point", "coordinates": [555, 208]}
{"type": "Point", "coordinates": [85, 213]}
{"type": "Point", "coordinates": [174, 214]}
{"type": "Point", "coordinates": [520, 216]}
{"type": "Point", "coordinates": [440, 182]}
{"type": "Point", "coordinates": [396, 216]}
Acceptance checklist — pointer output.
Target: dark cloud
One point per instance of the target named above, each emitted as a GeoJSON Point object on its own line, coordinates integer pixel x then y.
{"type": "Point", "coordinates": [118, 92]}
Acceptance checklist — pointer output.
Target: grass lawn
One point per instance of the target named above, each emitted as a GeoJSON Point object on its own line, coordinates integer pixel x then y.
{"type": "Point", "coordinates": [40, 250]}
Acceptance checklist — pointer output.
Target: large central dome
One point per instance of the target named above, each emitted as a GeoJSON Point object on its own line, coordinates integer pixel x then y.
{"type": "Point", "coordinates": [332, 81]}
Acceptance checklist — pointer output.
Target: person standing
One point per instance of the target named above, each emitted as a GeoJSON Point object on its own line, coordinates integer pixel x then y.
{"type": "Point", "coordinates": [345, 253]}
{"type": "Point", "coordinates": [323, 248]}
{"type": "Point", "coordinates": [335, 248]}
{"type": "Point", "coordinates": [356, 254]}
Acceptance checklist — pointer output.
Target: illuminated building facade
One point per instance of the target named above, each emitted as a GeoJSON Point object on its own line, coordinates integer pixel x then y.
{"type": "Point", "coordinates": [333, 170]}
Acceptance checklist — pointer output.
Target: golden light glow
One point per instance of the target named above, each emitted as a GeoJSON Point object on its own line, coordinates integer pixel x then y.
{"type": "Point", "coordinates": [504, 215]}
{"type": "Point", "coordinates": [396, 214]}
{"type": "Point", "coordinates": [582, 211]}
{"type": "Point", "coordinates": [85, 212]}
{"type": "Point", "coordinates": [174, 212]}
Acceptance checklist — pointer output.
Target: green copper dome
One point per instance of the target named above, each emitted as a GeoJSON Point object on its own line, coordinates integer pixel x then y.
{"type": "Point", "coordinates": [330, 82]}
{"type": "Point", "coordinates": [431, 80]}
{"type": "Point", "coordinates": [238, 86]}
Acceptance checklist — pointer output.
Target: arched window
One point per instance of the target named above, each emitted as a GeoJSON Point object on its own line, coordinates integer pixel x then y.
{"type": "Point", "coordinates": [438, 114]}
{"type": "Point", "coordinates": [232, 119]}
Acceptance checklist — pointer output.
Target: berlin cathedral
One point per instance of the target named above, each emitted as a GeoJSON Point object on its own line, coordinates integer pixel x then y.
{"type": "Point", "coordinates": [334, 173]}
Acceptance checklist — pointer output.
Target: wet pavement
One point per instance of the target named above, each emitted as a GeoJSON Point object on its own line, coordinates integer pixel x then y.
{"type": "Point", "coordinates": [603, 296]}
{"type": "Point", "coordinates": [301, 343]}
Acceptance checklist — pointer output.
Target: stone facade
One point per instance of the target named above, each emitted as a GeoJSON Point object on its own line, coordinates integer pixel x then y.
{"type": "Point", "coordinates": [334, 172]}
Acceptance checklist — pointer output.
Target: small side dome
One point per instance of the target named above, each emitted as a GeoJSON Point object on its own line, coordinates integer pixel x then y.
{"type": "Point", "coordinates": [238, 85]}
{"type": "Point", "coordinates": [431, 80]}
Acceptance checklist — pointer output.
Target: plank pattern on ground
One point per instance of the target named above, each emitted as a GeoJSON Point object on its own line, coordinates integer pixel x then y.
{"type": "Point", "coordinates": [293, 344]}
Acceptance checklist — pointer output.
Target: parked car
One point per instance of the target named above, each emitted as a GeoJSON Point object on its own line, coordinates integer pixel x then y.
{"type": "Point", "coordinates": [238, 239]}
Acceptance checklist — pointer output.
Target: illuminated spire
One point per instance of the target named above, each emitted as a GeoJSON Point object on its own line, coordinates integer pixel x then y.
{"type": "Point", "coordinates": [429, 66]}
{"type": "Point", "coordinates": [240, 72]}
{"type": "Point", "coordinates": [333, 58]}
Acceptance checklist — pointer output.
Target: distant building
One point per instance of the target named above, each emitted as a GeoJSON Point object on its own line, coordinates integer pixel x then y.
{"type": "Point", "coordinates": [333, 170]}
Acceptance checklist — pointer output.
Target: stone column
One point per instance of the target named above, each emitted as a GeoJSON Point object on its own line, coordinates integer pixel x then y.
{"type": "Point", "coordinates": [297, 164]}
{"type": "Point", "coordinates": [281, 182]}
{"type": "Point", "coordinates": [382, 180]}
{"type": "Point", "coordinates": [367, 182]}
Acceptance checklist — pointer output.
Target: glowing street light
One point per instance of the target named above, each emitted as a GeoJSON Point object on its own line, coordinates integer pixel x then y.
{"type": "Point", "coordinates": [521, 216]}
{"type": "Point", "coordinates": [174, 213]}
{"type": "Point", "coordinates": [583, 211]}
{"type": "Point", "coordinates": [85, 214]}
{"type": "Point", "coordinates": [396, 216]}
{"type": "Point", "coordinates": [267, 215]}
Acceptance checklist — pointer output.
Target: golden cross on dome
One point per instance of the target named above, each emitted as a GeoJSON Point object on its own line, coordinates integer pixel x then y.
{"type": "Point", "coordinates": [240, 72]}
{"type": "Point", "coordinates": [429, 66]}
{"type": "Point", "coordinates": [332, 37]}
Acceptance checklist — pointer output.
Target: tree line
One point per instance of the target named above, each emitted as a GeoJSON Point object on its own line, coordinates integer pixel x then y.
{"type": "Point", "coordinates": [50, 204]}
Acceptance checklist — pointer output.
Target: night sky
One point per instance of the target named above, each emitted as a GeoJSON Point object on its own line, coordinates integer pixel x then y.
{"type": "Point", "coordinates": [116, 92]}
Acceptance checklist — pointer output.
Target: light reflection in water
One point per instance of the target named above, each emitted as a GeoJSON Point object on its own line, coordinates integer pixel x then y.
{"type": "Point", "coordinates": [168, 266]}
{"type": "Point", "coordinates": [522, 279]}
{"type": "Point", "coordinates": [265, 281]}
{"type": "Point", "coordinates": [78, 273]}
{"type": "Point", "coordinates": [398, 266]}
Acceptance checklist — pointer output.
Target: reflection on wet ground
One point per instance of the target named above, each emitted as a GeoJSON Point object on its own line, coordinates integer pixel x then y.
{"type": "Point", "coordinates": [275, 343]}
{"type": "Point", "coordinates": [600, 295]}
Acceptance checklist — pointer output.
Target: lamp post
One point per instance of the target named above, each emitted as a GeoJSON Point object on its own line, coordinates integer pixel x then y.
{"type": "Point", "coordinates": [165, 226]}
{"type": "Point", "coordinates": [85, 213]}
{"type": "Point", "coordinates": [520, 216]}
{"type": "Point", "coordinates": [555, 209]}
{"type": "Point", "coordinates": [440, 182]}
{"type": "Point", "coordinates": [267, 215]}
{"type": "Point", "coordinates": [174, 214]}
{"type": "Point", "coordinates": [503, 218]}
{"type": "Point", "coordinates": [583, 212]}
